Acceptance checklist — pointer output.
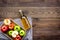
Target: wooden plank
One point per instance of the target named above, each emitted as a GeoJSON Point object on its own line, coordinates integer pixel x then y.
{"type": "Point", "coordinates": [34, 12]}
{"type": "Point", "coordinates": [30, 3]}
{"type": "Point", "coordinates": [46, 29]}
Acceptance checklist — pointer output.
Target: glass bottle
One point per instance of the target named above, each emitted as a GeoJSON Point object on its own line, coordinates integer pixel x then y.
{"type": "Point", "coordinates": [24, 20]}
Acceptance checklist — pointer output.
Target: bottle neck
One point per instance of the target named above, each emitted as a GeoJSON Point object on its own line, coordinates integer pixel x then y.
{"type": "Point", "coordinates": [20, 13]}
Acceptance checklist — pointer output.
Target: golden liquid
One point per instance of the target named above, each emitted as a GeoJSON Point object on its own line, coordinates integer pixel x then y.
{"type": "Point", "coordinates": [25, 23]}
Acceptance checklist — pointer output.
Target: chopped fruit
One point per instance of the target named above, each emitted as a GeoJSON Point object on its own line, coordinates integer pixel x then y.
{"type": "Point", "coordinates": [4, 28]}
{"type": "Point", "coordinates": [10, 32]}
{"type": "Point", "coordinates": [0, 28]}
{"type": "Point", "coordinates": [11, 26]}
{"type": "Point", "coordinates": [14, 34]}
{"type": "Point", "coordinates": [22, 32]}
{"type": "Point", "coordinates": [17, 37]}
{"type": "Point", "coordinates": [17, 28]}
{"type": "Point", "coordinates": [7, 21]}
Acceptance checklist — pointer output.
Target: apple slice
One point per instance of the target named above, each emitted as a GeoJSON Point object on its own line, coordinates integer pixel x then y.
{"type": "Point", "coordinates": [10, 32]}
{"type": "Point", "coordinates": [14, 33]}
{"type": "Point", "coordinates": [17, 28]}
{"type": "Point", "coordinates": [4, 28]}
{"type": "Point", "coordinates": [17, 37]}
{"type": "Point", "coordinates": [11, 26]}
{"type": "Point", "coordinates": [22, 33]}
{"type": "Point", "coordinates": [7, 21]}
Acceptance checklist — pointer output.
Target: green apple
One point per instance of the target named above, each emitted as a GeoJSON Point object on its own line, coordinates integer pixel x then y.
{"type": "Point", "coordinates": [17, 28]}
{"type": "Point", "coordinates": [22, 33]}
{"type": "Point", "coordinates": [10, 32]}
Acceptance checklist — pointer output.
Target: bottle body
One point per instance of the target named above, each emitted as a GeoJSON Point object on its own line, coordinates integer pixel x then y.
{"type": "Point", "coordinates": [25, 23]}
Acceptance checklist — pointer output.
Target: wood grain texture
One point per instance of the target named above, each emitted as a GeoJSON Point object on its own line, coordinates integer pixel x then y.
{"type": "Point", "coordinates": [46, 20]}
{"type": "Point", "coordinates": [37, 12]}
{"type": "Point", "coordinates": [29, 3]}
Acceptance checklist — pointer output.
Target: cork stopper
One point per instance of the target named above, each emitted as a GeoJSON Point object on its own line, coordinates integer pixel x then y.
{"type": "Point", "coordinates": [21, 13]}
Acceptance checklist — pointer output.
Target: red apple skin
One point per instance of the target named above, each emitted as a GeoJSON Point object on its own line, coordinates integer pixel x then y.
{"type": "Point", "coordinates": [11, 26]}
{"type": "Point", "coordinates": [4, 28]}
{"type": "Point", "coordinates": [0, 28]}
{"type": "Point", "coordinates": [17, 37]}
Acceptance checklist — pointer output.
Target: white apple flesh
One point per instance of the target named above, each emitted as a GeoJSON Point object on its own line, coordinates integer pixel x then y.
{"type": "Point", "coordinates": [14, 34]}
{"type": "Point", "coordinates": [7, 21]}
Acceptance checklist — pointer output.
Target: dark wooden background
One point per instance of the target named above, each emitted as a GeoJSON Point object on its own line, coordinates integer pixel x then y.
{"type": "Point", "coordinates": [30, 3]}
{"type": "Point", "coordinates": [45, 15]}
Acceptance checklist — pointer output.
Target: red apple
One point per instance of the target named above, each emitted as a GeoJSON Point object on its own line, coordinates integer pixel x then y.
{"type": "Point", "coordinates": [11, 26]}
{"type": "Point", "coordinates": [4, 28]}
{"type": "Point", "coordinates": [17, 37]}
{"type": "Point", "coordinates": [0, 28]}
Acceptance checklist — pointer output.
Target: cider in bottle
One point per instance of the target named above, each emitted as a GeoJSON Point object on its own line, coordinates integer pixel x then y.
{"type": "Point", "coordinates": [25, 21]}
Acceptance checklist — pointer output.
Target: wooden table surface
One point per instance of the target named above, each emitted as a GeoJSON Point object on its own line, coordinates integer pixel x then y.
{"type": "Point", "coordinates": [30, 3]}
{"type": "Point", "coordinates": [45, 15]}
{"type": "Point", "coordinates": [46, 20]}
